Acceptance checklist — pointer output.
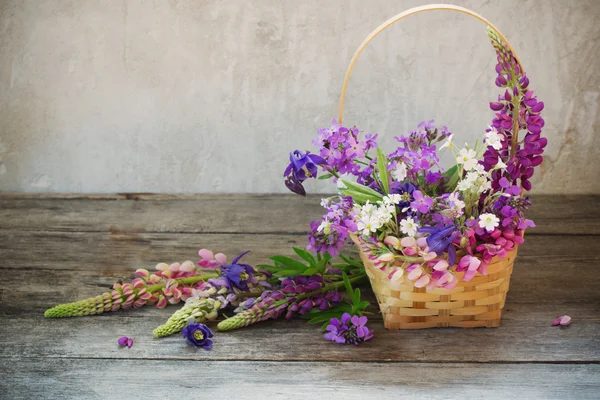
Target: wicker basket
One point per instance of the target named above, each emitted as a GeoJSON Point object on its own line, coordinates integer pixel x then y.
{"type": "Point", "coordinates": [477, 303]}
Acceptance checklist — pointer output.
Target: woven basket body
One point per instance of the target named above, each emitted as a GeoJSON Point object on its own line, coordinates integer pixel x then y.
{"type": "Point", "coordinates": [473, 304]}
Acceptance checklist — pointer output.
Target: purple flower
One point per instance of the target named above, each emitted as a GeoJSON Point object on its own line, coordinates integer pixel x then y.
{"type": "Point", "coordinates": [331, 233]}
{"type": "Point", "coordinates": [348, 330]}
{"type": "Point", "coordinates": [125, 341]}
{"type": "Point", "coordinates": [238, 275]}
{"type": "Point", "coordinates": [302, 166]}
{"type": "Point", "coordinates": [421, 203]}
{"type": "Point", "coordinates": [405, 189]}
{"type": "Point", "coordinates": [441, 240]}
{"type": "Point", "coordinates": [198, 335]}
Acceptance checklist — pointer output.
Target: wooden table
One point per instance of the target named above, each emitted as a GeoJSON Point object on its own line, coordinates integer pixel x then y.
{"type": "Point", "coordinates": [56, 249]}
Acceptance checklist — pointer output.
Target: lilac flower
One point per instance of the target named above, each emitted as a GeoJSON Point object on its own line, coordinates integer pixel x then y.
{"type": "Point", "coordinates": [331, 233]}
{"type": "Point", "coordinates": [238, 275]}
{"type": "Point", "coordinates": [421, 203]}
{"type": "Point", "coordinates": [348, 330]}
{"type": "Point", "coordinates": [302, 166]}
{"type": "Point", "coordinates": [198, 335]}
{"type": "Point", "coordinates": [125, 341]}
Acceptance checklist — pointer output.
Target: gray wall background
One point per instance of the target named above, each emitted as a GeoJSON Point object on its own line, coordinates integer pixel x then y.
{"type": "Point", "coordinates": [210, 96]}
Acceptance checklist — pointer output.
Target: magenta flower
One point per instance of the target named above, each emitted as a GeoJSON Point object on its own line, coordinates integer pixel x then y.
{"type": "Point", "coordinates": [421, 203]}
{"type": "Point", "coordinates": [125, 341]}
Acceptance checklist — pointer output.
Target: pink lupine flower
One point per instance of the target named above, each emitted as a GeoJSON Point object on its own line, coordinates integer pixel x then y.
{"type": "Point", "coordinates": [564, 320]}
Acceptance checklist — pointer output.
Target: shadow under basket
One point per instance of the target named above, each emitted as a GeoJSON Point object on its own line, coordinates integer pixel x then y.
{"type": "Point", "coordinates": [473, 304]}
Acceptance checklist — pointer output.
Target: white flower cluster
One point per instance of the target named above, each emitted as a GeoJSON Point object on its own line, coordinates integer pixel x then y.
{"type": "Point", "coordinates": [476, 180]}
{"type": "Point", "coordinates": [372, 217]}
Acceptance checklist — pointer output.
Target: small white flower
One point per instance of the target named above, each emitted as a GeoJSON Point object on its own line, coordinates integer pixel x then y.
{"type": "Point", "coordinates": [480, 169]}
{"type": "Point", "coordinates": [324, 203]}
{"type": "Point", "coordinates": [392, 199]}
{"type": "Point", "coordinates": [466, 157]}
{"type": "Point", "coordinates": [447, 143]}
{"type": "Point", "coordinates": [325, 227]}
{"type": "Point", "coordinates": [399, 173]}
{"type": "Point", "coordinates": [459, 205]}
{"type": "Point", "coordinates": [493, 138]}
{"type": "Point", "coordinates": [464, 185]}
{"type": "Point", "coordinates": [488, 221]}
{"type": "Point", "coordinates": [409, 227]}
{"type": "Point", "coordinates": [500, 164]}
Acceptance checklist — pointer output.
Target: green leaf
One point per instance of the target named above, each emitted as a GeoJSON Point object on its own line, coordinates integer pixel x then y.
{"type": "Point", "coordinates": [306, 256]}
{"type": "Point", "coordinates": [382, 162]}
{"type": "Point", "coordinates": [310, 272]}
{"type": "Point", "coordinates": [451, 171]}
{"type": "Point", "coordinates": [361, 198]}
{"type": "Point", "coordinates": [326, 176]}
{"type": "Point", "coordinates": [289, 263]}
{"type": "Point", "coordinates": [357, 187]}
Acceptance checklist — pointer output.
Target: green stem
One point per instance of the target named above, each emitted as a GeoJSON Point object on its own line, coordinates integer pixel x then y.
{"type": "Point", "coordinates": [332, 172]}
{"type": "Point", "coordinates": [182, 281]}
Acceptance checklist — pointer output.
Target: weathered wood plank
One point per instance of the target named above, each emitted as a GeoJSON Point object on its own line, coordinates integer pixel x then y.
{"type": "Point", "coordinates": [524, 336]}
{"type": "Point", "coordinates": [81, 379]}
{"type": "Point", "coordinates": [124, 251]}
{"type": "Point", "coordinates": [233, 213]}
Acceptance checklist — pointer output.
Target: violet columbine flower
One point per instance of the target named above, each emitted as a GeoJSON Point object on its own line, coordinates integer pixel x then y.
{"type": "Point", "coordinates": [406, 190]}
{"type": "Point", "coordinates": [302, 166]}
{"type": "Point", "coordinates": [198, 335]}
{"type": "Point", "coordinates": [238, 275]}
{"type": "Point", "coordinates": [441, 240]}
{"type": "Point", "coordinates": [348, 330]}
{"type": "Point", "coordinates": [125, 341]}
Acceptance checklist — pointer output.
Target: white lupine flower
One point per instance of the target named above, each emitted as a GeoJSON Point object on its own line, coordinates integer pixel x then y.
{"type": "Point", "coordinates": [466, 157]}
{"type": "Point", "coordinates": [399, 173]}
{"type": "Point", "coordinates": [488, 221]}
{"type": "Point", "coordinates": [447, 143]}
{"type": "Point", "coordinates": [409, 227]}
{"type": "Point", "coordinates": [493, 138]}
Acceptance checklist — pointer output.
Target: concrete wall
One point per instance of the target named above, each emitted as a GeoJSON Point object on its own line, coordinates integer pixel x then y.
{"type": "Point", "coordinates": [209, 96]}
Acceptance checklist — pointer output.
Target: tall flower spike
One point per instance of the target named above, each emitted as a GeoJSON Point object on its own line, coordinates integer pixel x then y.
{"type": "Point", "coordinates": [200, 310]}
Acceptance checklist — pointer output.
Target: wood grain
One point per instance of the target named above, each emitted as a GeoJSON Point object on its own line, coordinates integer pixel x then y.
{"type": "Point", "coordinates": [165, 379]}
{"type": "Point", "coordinates": [56, 249]}
{"type": "Point", "coordinates": [233, 214]}
{"type": "Point", "coordinates": [108, 379]}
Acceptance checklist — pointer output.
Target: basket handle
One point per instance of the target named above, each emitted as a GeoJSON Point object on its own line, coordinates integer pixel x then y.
{"type": "Point", "coordinates": [405, 14]}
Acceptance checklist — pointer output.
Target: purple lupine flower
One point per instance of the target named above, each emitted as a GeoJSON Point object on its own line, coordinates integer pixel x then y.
{"type": "Point", "coordinates": [421, 203]}
{"type": "Point", "coordinates": [198, 335]}
{"type": "Point", "coordinates": [238, 275]}
{"type": "Point", "coordinates": [348, 330]}
{"type": "Point", "coordinates": [302, 166]}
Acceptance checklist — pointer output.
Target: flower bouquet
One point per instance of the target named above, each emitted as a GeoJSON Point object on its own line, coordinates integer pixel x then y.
{"type": "Point", "coordinates": [437, 244]}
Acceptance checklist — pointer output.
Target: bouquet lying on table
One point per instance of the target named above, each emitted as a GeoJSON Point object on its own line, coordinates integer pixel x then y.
{"type": "Point", "coordinates": [413, 219]}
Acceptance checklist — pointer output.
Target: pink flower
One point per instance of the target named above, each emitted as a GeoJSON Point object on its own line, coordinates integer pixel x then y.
{"type": "Point", "coordinates": [562, 321]}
